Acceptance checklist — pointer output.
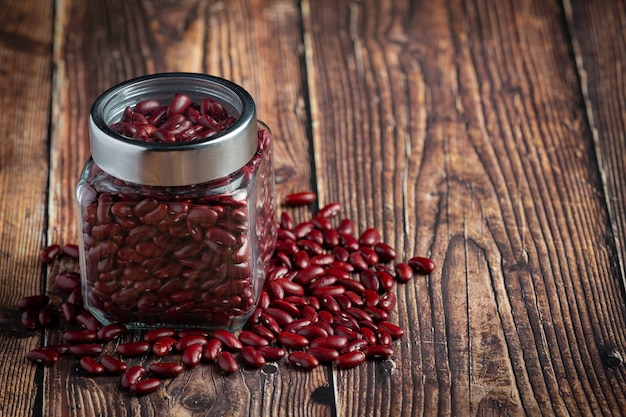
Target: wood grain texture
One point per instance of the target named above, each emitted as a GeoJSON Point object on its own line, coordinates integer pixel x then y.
{"type": "Point", "coordinates": [489, 170]}
{"type": "Point", "coordinates": [256, 44]}
{"type": "Point", "coordinates": [599, 57]}
{"type": "Point", "coordinates": [25, 89]}
{"type": "Point", "coordinates": [485, 134]}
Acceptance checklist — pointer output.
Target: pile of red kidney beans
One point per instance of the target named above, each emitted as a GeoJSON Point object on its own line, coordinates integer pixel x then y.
{"type": "Point", "coordinates": [327, 299]}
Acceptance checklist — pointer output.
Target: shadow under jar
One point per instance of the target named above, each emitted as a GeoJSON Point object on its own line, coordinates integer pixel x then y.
{"type": "Point", "coordinates": [176, 233]}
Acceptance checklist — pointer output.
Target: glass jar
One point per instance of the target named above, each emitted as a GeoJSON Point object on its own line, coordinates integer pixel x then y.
{"type": "Point", "coordinates": [176, 234]}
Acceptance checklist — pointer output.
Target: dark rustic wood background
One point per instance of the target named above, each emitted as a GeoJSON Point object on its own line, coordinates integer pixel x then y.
{"type": "Point", "coordinates": [487, 134]}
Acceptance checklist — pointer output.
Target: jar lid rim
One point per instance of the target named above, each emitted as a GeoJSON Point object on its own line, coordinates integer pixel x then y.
{"type": "Point", "coordinates": [181, 163]}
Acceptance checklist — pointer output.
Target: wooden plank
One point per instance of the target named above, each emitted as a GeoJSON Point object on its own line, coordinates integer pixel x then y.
{"type": "Point", "coordinates": [599, 46]}
{"type": "Point", "coordinates": [256, 44]}
{"type": "Point", "coordinates": [25, 89]}
{"type": "Point", "coordinates": [456, 128]}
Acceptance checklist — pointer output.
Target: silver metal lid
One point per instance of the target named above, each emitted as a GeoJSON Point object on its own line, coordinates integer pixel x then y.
{"type": "Point", "coordinates": [173, 164]}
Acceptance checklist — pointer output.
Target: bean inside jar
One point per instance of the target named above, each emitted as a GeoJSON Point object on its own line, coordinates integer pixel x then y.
{"type": "Point", "coordinates": [182, 255]}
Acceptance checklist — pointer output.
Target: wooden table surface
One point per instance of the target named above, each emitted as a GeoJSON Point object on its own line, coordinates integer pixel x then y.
{"type": "Point", "coordinates": [488, 135]}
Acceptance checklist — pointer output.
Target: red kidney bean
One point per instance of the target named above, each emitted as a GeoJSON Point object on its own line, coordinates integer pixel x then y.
{"type": "Point", "coordinates": [302, 229]}
{"type": "Point", "coordinates": [212, 349]}
{"type": "Point", "coordinates": [188, 340]}
{"type": "Point", "coordinates": [394, 330]}
{"type": "Point", "coordinates": [30, 318]}
{"type": "Point", "coordinates": [303, 360]}
{"type": "Point", "coordinates": [35, 302]}
{"type": "Point", "coordinates": [346, 226]}
{"type": "Point", "coordinates": [329, 327]}
{"type": "Point", "coordinates": [355, 298]}
{"type": "Point", "coordinates": [385, 280]}
{"type": "Point", "coordinates": [90, 365]}
{"type": "Point", "coordinates": [312, 332]}
{"type": "Point", "coordinates": [329, 291]}
{"type": "Point", "coordinates": [368, 335]}
{"type": "Point", "coordinates": [86, 349]}
{"type": "Point", "coordinates": [302, 260]}
{"type": "Point", "coordinates": [50, 253]}
{"type": "Point", "coordinates": [296, 325]}
{"type": "Point", "coordinates": [322, 354]}
{"type": "Point", "coordinates": [262, 331]}
{"type": "Point", "coordinates": [66, 282]}
{"type": "Point", "coordinates": [377, 351]}
{"type": "Point", "coordinates": [290, 287]}
{"type": "Point", "coordinates": [308, 312]}
{"type": "Point", "coordinates": [112, 365]}
{"type": "Point", "coordinates": [275, 290]}
{"type": "Point", "coordinates": [331, 240]}
{"type": "Point", "coordinates": [163, 345]}
{"type": "Point", "coordinates": [421, 265]}
{"type": "Point", "coordinates": [146, 386]}
{"type": "Point", "coordinates": [61, 348]}
{"type": "Point", "coordinates": [80, 336]}
{"type": "Point", "coordinates": [227, 362]}
{"type": "Point", "coordinates": [385, 252]}
{"type": "Point", "coordinates": [369, 280]}
{"type": "Point", "coordinates": [43, 356]}
{"type": "Point", "coordinates": [166, 369]}
{"type": "Point", "coordinates": [383, 337]}
{"type": "Point", "coordinates": [270, 322]}
{"type": "Point", "coordinates": [345, 320]}
{"type": "Point", "coordinates": [357, 261]}
{"type": "Point", "coordinates": [302, 198]}
{"type": "Point", "coordinates": [348, 333]}
{"type": "Point", "coordinates": [286, 246]}
{"type": "Point", "coordinates": [251, 357]}
{"type": "Point", "coordinates": [272, 353]}
{"type": "Point", "coordinates": [88, 321]}
{"type": "Point", "coordinates": [155, 334]}
{"type": "Point", "coordinates": [325, 316]}
{"type": "Point", "coordinates": [282, 318]}
{"type": "Point", "coordinates": [111, 331]}
{"type": "Point", "coordinates": [349, 242]}
{"type": "Point", "coordinates": [404, 272]}
{"type": "Point", "coordinates": [255, 316]}
{"type": "Point", "coordinates": [350, 359]}
{"type": "Point", "coordinates": [329, 210]}
{"type": "Point", "coordinates": [131, 349]}
{"type": "Point", "coordinates": [316, 235]}
{"type": "Point", "coordinates": [377, 314]}
{"type": "Point", "coordinates": [46, 316]}
{"type": "Point", "coordinates": [132, 376]}
{"type": "Point", "coordinates": [192, 355]}
{"type": "Point", "coordinates": [387, 301]}
{"type": "Point", "coordinates": [371, 298]}
{"type": "Point", "coordinates": [321, 223]}
{"type": "Point", "coordinates": [321, 281]}
{"type": "Point", "coordinates": [229, 340]}
{"type": "Point", "coordinates": [328, 303]}
{"type": "Point", "coordinates": [249, 338]}
{"type": "Point", "coordinates": [324, 259]}
{"type": "Point", "coordinates": [332, 342]}
{"type": "Point", "coordinates": [351, 285]}
{"type": "Point", "coordinates": [292, 340]}
{"type": "Point", "coordinates": [76, 298]}
{"type": "Point", "coordinates": [369, 255]}
{"type": "Point", "coordinates": [286, 221]}
{"type": "Point", "coordinates": [179, 104]}
{"type": "Point", "coordinates": [369, 237]}
{"type": "Point", "coordinates": [70, 250]}
{"type": "Point", "coordinates": [147, 107]}
{"type": "Point", "coordinates": [354, 345]}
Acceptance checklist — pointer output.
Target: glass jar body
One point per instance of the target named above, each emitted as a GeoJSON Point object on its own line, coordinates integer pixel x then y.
{"type": "Point", "coordinates": [179, 256]}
